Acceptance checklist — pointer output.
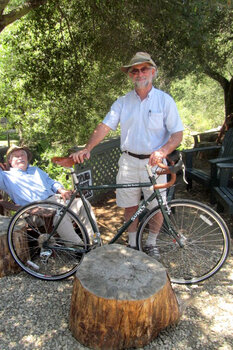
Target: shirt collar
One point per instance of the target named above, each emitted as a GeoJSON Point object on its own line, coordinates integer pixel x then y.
{"type": "Point", "coordinates": [150, 93]}
{"type": "Point", "coordinates": [15, 170]}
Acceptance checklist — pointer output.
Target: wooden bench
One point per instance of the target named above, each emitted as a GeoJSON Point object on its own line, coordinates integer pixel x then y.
{"type": "Point", "coordinates": [223, 193]}
{"type": "Point", "coordinates": [207, 137]}
{"type": "Point", "coordinates": [209, 176]}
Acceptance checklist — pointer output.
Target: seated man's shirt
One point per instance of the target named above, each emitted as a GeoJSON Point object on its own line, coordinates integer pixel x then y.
{"type": "Point", "coordinates": [28, 186]}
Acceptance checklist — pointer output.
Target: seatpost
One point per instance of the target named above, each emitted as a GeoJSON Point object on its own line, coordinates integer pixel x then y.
{"type": "Point", "coordinates": [96, 235]}
{"type": "Point", "coordinates": [74, 176]}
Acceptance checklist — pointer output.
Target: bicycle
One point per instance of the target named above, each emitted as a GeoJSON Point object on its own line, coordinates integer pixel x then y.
{"type": "Point", "coordinates": [193, 241]}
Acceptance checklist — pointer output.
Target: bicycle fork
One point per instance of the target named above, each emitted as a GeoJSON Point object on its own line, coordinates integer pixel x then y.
{"type": "Point", "coordinates": [165, 211]}
{"type": "Point", "coordinates": [177, 238]}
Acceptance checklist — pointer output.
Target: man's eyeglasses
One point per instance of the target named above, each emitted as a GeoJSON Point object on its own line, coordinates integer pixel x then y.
{"type": "Point", "coordinates": [142, 70]}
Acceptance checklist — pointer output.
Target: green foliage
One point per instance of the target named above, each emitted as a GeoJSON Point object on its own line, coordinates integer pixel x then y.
{"type": "Point", "coordinates": [59, 65]}
{"type": "Point", "coordinates": [200, 104]}
{"type": "Point", "coordinates": [43, 161]}
{"type": "Point", "coordinates": [60, 90]}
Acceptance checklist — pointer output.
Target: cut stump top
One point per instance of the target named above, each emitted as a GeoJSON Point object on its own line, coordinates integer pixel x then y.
{"type": "Point", "coordinates": [117, 272]}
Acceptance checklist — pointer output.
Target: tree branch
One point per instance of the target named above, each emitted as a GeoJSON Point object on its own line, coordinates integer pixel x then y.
{"type": "Point", "coordinates": [3, 5]}
{"type": "Point", "coordinates": [70, 33]}
{"type": "Point", "coordinates": [17, 13]}
{"type": "Point", "coordinates": [216, 76]}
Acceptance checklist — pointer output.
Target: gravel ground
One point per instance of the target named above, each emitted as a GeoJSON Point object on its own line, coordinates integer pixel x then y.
{"type": "Point", "coordinates": [35, 315]}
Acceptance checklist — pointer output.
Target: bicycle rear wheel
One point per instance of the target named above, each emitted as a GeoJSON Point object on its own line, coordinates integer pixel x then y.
{"type": "Point", "coordinates": [203, 233]}
{"type": "Point", "coordinates": [47, 258]}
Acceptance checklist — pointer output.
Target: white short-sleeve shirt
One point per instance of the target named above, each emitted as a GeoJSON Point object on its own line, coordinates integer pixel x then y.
{"type": "Point", "coordinates": [145, 125]}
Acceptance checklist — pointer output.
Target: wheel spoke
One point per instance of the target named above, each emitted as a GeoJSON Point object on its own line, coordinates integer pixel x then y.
{"type": "Point", "coordinates": [205, 239]}
{"type": "Point", "coordinates": [36, 251]}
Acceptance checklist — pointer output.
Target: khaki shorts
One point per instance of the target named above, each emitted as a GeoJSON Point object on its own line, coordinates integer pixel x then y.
{"type": "Point", "coordinates": [132, 170]}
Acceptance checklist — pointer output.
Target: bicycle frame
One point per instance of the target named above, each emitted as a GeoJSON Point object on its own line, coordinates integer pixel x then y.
{"type": "Point", "coordinates": [184, 224]}
{"type": "Point", "coordinates": [141, 211]}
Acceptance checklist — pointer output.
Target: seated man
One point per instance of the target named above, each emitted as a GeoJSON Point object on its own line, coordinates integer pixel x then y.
{"type": "Point", "coordinates": [25, 184]}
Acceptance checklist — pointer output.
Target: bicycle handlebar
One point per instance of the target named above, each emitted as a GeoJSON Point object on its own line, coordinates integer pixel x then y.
{"type": "Point", "coordinates": [68, 162]}
{"type": "Point", "coordinates": [165, 170]}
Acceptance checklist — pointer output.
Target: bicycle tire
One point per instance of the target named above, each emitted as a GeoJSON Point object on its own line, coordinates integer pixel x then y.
{"type": "Point", "coordinates": [27, 233]}
{"type": "Point", "coordinates": [205, 237]}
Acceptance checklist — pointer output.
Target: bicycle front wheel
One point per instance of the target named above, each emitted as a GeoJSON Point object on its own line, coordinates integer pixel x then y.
{"type": "Point", "coordinates": [48, 258]}
{"type": "Point", "coordinates": [203, 234]}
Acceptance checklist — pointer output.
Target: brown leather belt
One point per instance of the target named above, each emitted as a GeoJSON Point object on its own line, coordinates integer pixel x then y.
{"type": "Point", "coordinates": [139, 156]}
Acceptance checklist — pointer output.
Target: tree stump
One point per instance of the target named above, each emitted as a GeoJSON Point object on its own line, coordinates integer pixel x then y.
{"type": "Point", "coordinates": [7, 263]}
{"type": "Point", "coordinates": [121, 299]}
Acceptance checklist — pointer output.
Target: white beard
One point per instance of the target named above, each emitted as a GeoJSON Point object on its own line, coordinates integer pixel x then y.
{"type": "Point", "coordinates": [143, 83]}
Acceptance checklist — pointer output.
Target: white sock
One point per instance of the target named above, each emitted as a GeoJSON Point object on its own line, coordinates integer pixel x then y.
{"type": "Point", "coordinates": [132, 238]}
{"type": "Point", "coordinates": [151, 239]}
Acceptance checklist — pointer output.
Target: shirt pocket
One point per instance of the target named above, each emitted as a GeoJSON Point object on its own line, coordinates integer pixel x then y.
{"type": "Point", "coordinates": [155, 120]}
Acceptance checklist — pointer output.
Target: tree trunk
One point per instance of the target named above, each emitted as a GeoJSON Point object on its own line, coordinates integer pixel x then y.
{"type": "Point", "coordinates": [7, 263]}
{"type": "Point", "coordinates": [121, 299]}
{"type": "Point", "coordinates": [228, 97]}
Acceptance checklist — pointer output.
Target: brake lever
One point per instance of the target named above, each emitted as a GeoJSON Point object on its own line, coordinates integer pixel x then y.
{"type": "Point", "coordinates": [176, 167]}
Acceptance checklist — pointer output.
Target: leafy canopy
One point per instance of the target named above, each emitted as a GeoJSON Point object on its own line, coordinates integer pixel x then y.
{"type": "Point", "coordinates": [59, 65]}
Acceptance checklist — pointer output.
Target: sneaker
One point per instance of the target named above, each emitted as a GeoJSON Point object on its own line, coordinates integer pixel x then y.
{"type": "Point", "coordinates": [152, 251]}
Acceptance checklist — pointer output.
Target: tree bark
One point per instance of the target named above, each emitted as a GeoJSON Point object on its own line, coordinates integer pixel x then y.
{"type": "Point", "coordinates": [227, 86]}
{"type": "Point", "coordinates": [7, 263]}
{"type": "Point", "coordinates": [121, 299]}
{"type": "Point", "coordinates": [228, 97]}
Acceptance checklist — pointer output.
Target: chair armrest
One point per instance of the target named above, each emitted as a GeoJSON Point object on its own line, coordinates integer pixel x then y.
{"type": "Point", "coordinates": [201, 149]}
{"type": "Point", "coordinates": [225, 165]}
{"type": "Point", "coordinates": [225, 169]}
{"type": "Point", "coordinates": [214, 166]}
{"type": "Point", "coordinates": [9, 205]}
{"type": "Point", "coordinates": [3, 166]}
{"type": "Point", "coordinates": [221, 160]}
{"type": "Point", "coordinates": [188, 153]}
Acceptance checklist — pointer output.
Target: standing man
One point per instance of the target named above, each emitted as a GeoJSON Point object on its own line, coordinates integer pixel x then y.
{"type": "Point", "coordinates": [150, 129]}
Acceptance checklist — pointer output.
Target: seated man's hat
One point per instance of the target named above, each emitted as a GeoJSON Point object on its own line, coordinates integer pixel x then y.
{"type": "Point", "coordinates": [13, 148]}
{"type": "Point", "coordinates": [140, 57]}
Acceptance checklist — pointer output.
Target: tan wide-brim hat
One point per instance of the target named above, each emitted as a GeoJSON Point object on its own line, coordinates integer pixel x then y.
{"type": "Point", "coordinates": [13, 148]}
{"type": "Point", "coordinates": [140, 57]}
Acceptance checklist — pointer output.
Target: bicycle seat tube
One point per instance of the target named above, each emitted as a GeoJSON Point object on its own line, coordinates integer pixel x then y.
{"type": "Point", "coordinates": [78, 190]}
{"type": "Point", "coordinates": [62, 213]}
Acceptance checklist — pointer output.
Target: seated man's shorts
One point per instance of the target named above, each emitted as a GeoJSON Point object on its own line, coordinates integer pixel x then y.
{"type": "Point", "coordinates": [133, 170]}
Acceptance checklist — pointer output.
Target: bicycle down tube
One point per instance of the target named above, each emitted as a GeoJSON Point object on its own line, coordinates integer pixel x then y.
{"type": "Point", "coordinates": [140, 211]}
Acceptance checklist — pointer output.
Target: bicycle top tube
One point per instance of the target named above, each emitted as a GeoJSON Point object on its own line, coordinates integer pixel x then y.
{"type": "Point", "coordinates": [112, 186]}
{"type": "Point", "coordinates": [165, 169]}
{"type": "Point", "coordinates": [68, 162]}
